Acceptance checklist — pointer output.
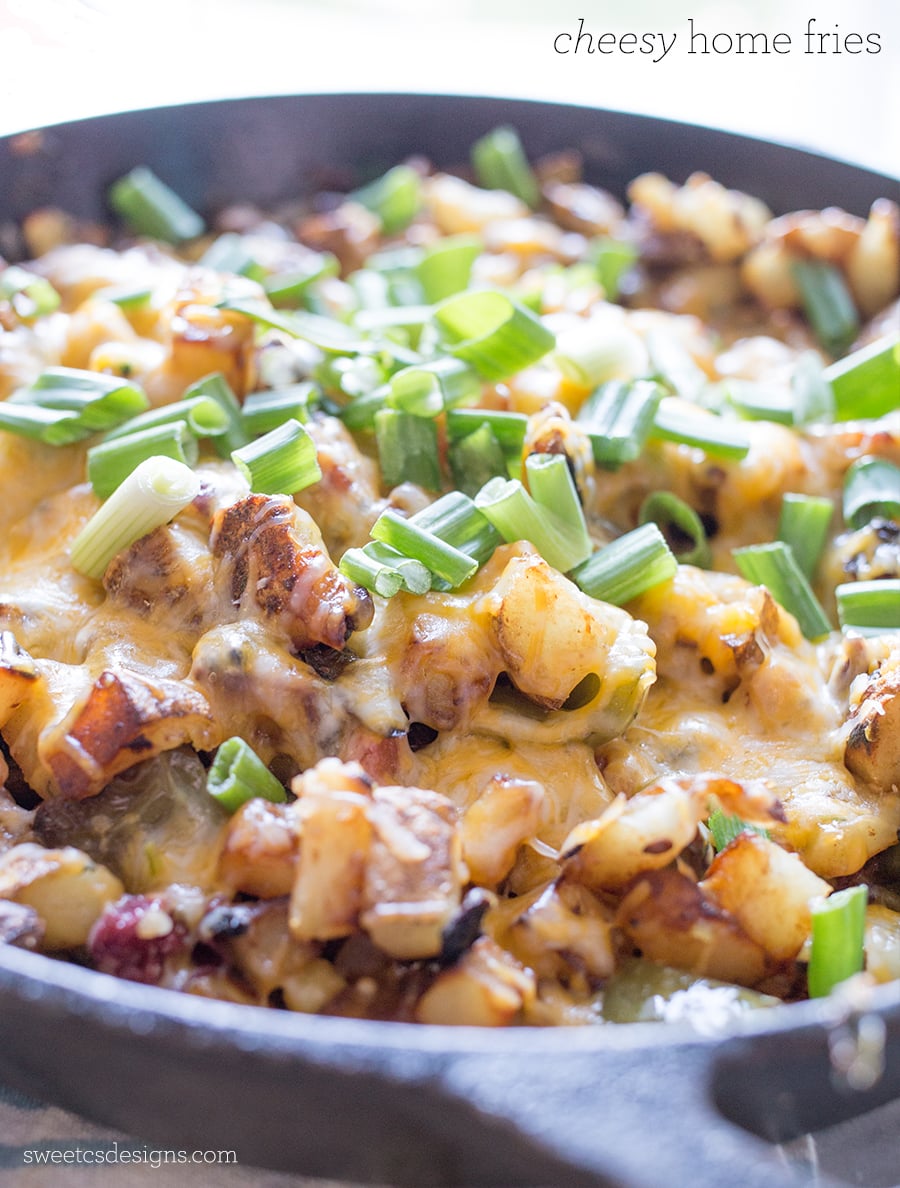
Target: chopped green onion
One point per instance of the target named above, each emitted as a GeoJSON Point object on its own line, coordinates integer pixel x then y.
{"type": "Point", "coordinates": [871, 490]}
{"type": "Point", "coordinates": [150, 207]}
{"type": "Point", "coordinates": [327, 334]}
{"type": "Point", "coordinates": [500, 163]}
{"type": "Point", "coordinates": [612, 258]}
{"type": "Point", "coordinates": [629, 566]}
{"type": "Point", "coordinates": [407, 449]}
{"type": "Point", "coordinates": [445, 561]}
{"type": "Point", "coordinates": [774, 566]}
{"type": "Point", "coordinates": [838, 937]}
{"type": "Point", "coordinates": [151, 496]}
{"type": "Point", "coordinates": [812, 394]}
{"type": "Point", "coordinates": [215, 387]}
{"type": "Point", "coordinates": [412, 318]}
{"type": "Point", "coordinates": [828, 303]}
{"type": "Point", "coordinates": [455, 519]}
{"type": "Point", "coordinates": [680, 525]}
{"type": "Point", "coordinates": [52, 426]}
{"type": "Point", "coordinates": [288, 289]}
{"type": "Point", "coordinates": [446, 267]}
{"type": "Point", "coordinates": [724, 828]}
{"type": "Point", "coordinates": [230, 253]}
{"type": "Point", "coordinates": [360, 412]}
{"type": "Point", "coordinates": [509, 428]}
{"type": "Point", "coordinates": [204, 417]}
{"type": "Point", "coordinates": [476, 459]}
{"type": "Point", "coordinates": [127, 296]}
{"type": "Point", "coordinates": [101, 401]}
{"type": "Point", "coordinates": [281, 462]}
{"type": "Point", "coordinates": [262, 411]}
{"type": "Point", "coordinates": [872, 606]}
{"type": "Point", "coordinates": [238, 774]}
{"type": "Point", "coordinates": [492, 332]}
{"type": "Point", "coordinates": [757, 402]}
{"type": "Point", "coordinates": [803, 525]}
{"type": "Point", "coordinates": [618, 417]}
{"type": "Point", "coordinates": [111, 462]}
{"type": "Point", "coordinates": [30, 295]}
{"type": "Point", "coordinates": [395, 198]}
{"type": "Point", "coordinates": [385, 570]}
{"type": "Point", "coordinates": [551, 484]}
{"type": "Point", "coordinates": [518, 516]}
{"type": "Point", "coordinates": [703, 431]}
{"type": "Point", "coordinates": [866, 384]}
{"type": "Point", "coordinates": [429, 388]}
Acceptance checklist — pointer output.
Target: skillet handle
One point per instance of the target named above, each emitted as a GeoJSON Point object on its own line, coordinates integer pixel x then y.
{"type": "Point", "coordinates": [639, 1116]}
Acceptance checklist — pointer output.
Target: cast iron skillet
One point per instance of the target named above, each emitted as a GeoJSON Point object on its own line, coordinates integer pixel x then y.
{"type": "Point", "coordinates": [638, 1106]}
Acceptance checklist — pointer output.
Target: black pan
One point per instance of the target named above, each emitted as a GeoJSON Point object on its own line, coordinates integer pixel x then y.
{"type": "Point", "coordinates": [639, 1106]}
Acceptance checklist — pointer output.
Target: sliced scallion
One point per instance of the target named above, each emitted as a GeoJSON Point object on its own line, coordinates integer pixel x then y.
{"type": "Point", "coordinates": [101, 401]}
{"type": "Point", "coordinates": [866, 384]}
{"type": "Point", "coordinates": [871, 489]}
{"type": "Point", "coordinates": [407, 449]}
{"type": "Point", "coordinates": [759, 402]}
{"type": "Point", "coordinates": [704, 431]}
{"type": "Point", "coordinates": [869, 606]}
{"type": "Point", "coordinates": [500, 163]}
{"type": "Point", "coordinates": [111, 462]}
{"type": "Point", "coordinates": [812, 394]}
{"type": "Point", "coordinates": [385, 570]}
{"type": "Point", "coordinates": [774, 566]}
{"type": "Point", "coordinates": [238, 774]}
{"type": "Point", "coordinates": [724, 828]}
{"type": "Point", "coordinates": [203, 416]}
{"type": "Point", "coordinates": [838, 936]}
{"type": "Point", "coordinates": [30, 295]}
{"type": "Point", "coordinates": [262, 411]}
{"type": "Point", "coordinates": [617, 417]}
{"type": "Point", "coordinates": [328, 334]}
{"type": "Point", "coordinates": [52, 426]}
{"type": "Point", "coordinates": [395, 198]}
{"type": "Point", "coordinates": [150, 207]}
{"type": "Point", "coordinates": [612, 258]}
{"type": "Point", "coordinates": [429, 388]}
{"type": "Point", "coordinates": [215, 387]}
{"type": "Point", "coordinates": [153, 494]}
{"type": "Point", "coordinates": [803, 524]}
{"type": "Point", "coordinates": [518, 516]}
{"type": "Point", "coordinates": [455, 519]}
{"type": "Point", "coordinates": [280, 462]}
{"type": "Point", "coordinates": [508, 428]}
{"type": "Point", "coordinates": [476, 459]}
{"type": "Point", "coordinates": [627, 567]}
{"type": "Point", "coordinates": [288, 289]}
{"type": "Point", "coordinates": [230, 252]}
{"type": "Point", "coordinates": [493, 333]}
{"type": "Point", "coordinates": [828, 303]}
{"type": "Point", "coordinates": [550, 482]}
{"type": "Point", "coordinates": [447, 562]}
{"type": "Point", "coordinates": [446, 266]}
{"type": "Point", "coordinates": [680, 525]}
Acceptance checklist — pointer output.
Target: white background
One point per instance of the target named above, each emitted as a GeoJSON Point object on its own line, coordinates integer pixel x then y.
{"type": "Point", "coordinates": [68, 58]}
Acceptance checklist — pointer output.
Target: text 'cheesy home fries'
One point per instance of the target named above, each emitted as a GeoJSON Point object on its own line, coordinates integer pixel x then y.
{"type": "Point", "coordinates": [468, 599]}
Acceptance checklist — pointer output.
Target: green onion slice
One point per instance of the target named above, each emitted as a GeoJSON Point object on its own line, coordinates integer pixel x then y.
{"type": "Point", "coordinates": [759, 402]}
{"type": "Point", "coordinates": [216, 387]}
{"type": "Point", "coordinates": [870, 606]}
{"type": "Point", "coordinates": [476, 459]}
{"type": "Point", "coordinates": [395, 198]}
{"type": "Point", "coordinates": [500, 163]}
{"type": "Point", "coordinates": [30, 295]}
{"type": "Point", "coordinates": [828, 303]}
{"type": "Point", "coordinates": [111, 462]}
{"type": "Point", "coordinates": [838, 936]}
{"type": "Point", "coordinates": [629, 566]}
{"type": "Point", "coordinates": [673, 365]}
{"type": "Point", "coordinates": [618, 416]}
{"type": "Point", "coordinates": [262, 411]}
{"type": "Point", "coordinates": [774, 566]}
{"type": "Point", "coordinates": [724, 828]}
{"type": "Point", "coordinates": [680, 525]}
{"type": "Point", "coordinates": [50, 425]}
{"type": "Point", "coordinates": [238, 774]}
{"type": "Point", "coordinates": [803, 524]}
{"type": "Point", "coordinates": [101, 401]}
{"type": "Point", "coordinates": [150, 207]}
{"type": "Point", "coordinates": [493, 333]}
{"type": "Point", "coordinates": [518, 516]}
{"type": "Point", "coordinates": [427, 389]}
{"type": "Point", "coordinates": [153, 494]}
{"type": "Point", "coordinates": [288, 289]}
{"type": "Point", "coordinates": [203, 416]}
{"type": "Point", "coordinates": [442, 559]}
{"type": "Point", "coordinates": [509, 428]}
{"type": "Point", "coordinates": [446, 266]}
{"type": "Point", "coordinates": [407, 449]}
{"type": "Point", "coordinates": [328, 334]}
{"type": "Point", "coordinates": [456, 520]}
{"type": "Point", "coordinates": [385, 570]}
{"type": "Point", "coordinates": [550, 482]}
{"type": "Point", "coordinates": [812, 394]}
{"type": "Point", "coordinates": [871, 489]}
{"type": "Point", "coordinates": [866, 384]}
{"type": "Point", "coordinates": [704, 431]}
{"type": "Point", "coordinates": [229, 252]}
{"type": "Point", "coordinates": [612, 258]}
{"type": "Point", "coordinates": [280, 462]}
